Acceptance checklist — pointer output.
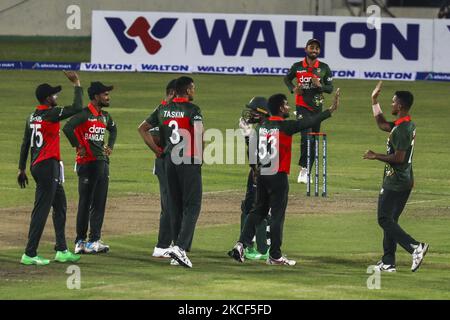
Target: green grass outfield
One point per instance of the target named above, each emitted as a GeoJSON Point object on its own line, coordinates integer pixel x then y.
{"type": "Point", "coordinates": [333, 253]}
{"type": "Point", "coordinates": [351, 131]}
{"type": "Point", "coordinates": [334, 250]}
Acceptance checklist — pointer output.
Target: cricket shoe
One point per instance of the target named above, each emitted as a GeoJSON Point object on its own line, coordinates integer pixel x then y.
{"type": "Point", "coordinates": [79, 247]}
{"type": "Point", "coordinates": [418, 255]}
{"type": "Point", "coordinates": [96, 247]}
{"type": "Point", "coordinates": [38, 261]}
{"type": "Point", "coordinates": [251, 253]}
{"type": "Point", "coordinates": [161, 252]}
{"type": "Point", "coordinates": [237, 253]}
{"type": "Point", "coordinates": [303, 176]}
{"type": "Point", "coordinates": [180, 256]}
{"type": "Point", "coordinates": [174, 262]}
{"type": "Point", "coordinates": [66, 256]}
{"type": "Point", "coordinates": [382, 267]}
{"type": "Point", "coordinates": [264, 256]}
{"type": "Point", "coordinates": [283, 261]}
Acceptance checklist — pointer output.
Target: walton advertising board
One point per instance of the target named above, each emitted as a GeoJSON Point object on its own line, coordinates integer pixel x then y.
{"type": "Point", "coordinates": [262, 44]}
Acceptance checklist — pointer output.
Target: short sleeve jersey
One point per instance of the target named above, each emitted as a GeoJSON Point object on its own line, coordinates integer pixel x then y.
{"type": "Point", "coordinates": [275, 140]}
{"type": "Point", "coordinates": [312, 98]}
{"type": "Point", "coordinates": [399, 177]}
{"type": "Point", "coordinates": [176, 120]}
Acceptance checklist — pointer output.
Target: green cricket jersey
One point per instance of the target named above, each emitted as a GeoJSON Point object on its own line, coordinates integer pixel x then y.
{"type": "Point", "coordinates": [41, 134]}
{"type": "Point", "coordinates": [88, 129]}
{"type": "Point", "coordinates": [176, 120]}
{"type": "Point", "coordinates": [275, 139]}
{"type": "Point", "coordinates": [155, 130]}
{"type": "Point", "coordinates": [312, 97]}
{"type": "Point", "coordinates": [399, 177]}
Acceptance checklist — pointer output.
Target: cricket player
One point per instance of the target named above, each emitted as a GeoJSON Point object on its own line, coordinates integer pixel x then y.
{"type": "Point", "coordinates": [313, 79]}
{"type": "Point", "coordinates": [180, 122]}
{"type": "Point", "coordinates": [275, 145]}
{"type": "Point", "coordinates": [41, 138]}
{"type": "Point", "coordinates": [165, 233]}
{"type": "Point", "coordinates": [86, 132]}
{"type": "Point", "coordinates": [256, 112]}
{"type": "Point", "coordinates": [398, 179]}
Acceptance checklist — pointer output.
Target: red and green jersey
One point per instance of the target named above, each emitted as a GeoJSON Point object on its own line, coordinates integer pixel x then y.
{"type": "Point", "coordinates": [88, 129]}
{"type": "Point", "coordinates": [312, 97]}
{"type": "Point", "coordinates": [176, 120]}
{"type": "Point", "coordinates": [399, 177]}
{"type": "Point", "coordinates": [42, 131]}
{"type": "Point", "coordinates": [275, 140]}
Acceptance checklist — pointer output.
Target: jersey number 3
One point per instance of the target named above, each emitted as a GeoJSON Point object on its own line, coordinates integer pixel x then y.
{"type": "Point", "coordinates": [36, 135]}
{"type": "Point", "coordinates": [175, 137]}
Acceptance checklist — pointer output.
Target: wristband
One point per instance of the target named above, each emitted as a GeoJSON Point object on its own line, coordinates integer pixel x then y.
{"type": "Point", "coordinates": [376, 109]}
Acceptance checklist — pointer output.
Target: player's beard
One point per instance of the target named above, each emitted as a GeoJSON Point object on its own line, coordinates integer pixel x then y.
{"type": "Point", "coordinates": [312, 56]}
{"type": "Point", "coordinates": [103, 104]}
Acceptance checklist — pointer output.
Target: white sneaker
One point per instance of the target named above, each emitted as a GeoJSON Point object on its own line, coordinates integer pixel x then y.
{"type": "Point", "coordinates": [79, 247]}
{"type": "Point", "coordinates": [418, 255]}
{"type": "Point", "coordinates": [303, 176]}
{"type": "Point", "coordinates": [283, 261]}
{"type": "Point", "coordinates": [180, 256]}
{"type": "Point", "coordinates": [385, 267]}
{"type": "Point", "coordinates": [237, 253]}
{"type": "Point", "coordinates": [161, 252]}
{"type": "Point", "coordinates": [174, 262]}
{"type": "Point", "coordinates": [96, 247]}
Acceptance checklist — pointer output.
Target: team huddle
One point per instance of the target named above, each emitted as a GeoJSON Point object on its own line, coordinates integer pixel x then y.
{"type": "Point", "coordinates": [174, 132]}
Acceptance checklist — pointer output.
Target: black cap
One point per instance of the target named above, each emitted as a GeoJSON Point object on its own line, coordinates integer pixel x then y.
{"type": "Point", "coordinates": [312, 41]}
{"type": "Point", "coordinates": [96, 88]}
{"type": "Point", "coordinates": [45, 90]}
{"type": "Point", "coordinates": [258, 104]}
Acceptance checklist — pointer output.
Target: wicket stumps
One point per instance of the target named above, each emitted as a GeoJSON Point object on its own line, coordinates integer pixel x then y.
{"type": "Point", "coordinates": [316, 136]}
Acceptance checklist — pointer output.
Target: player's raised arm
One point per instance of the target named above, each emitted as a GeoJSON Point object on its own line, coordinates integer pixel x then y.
{"type": "Point", "coordinates": [336, 100]}
{"type": "Point", "coordinates": [61, 113]}
{"type": "Point", "coordinates": [376, 108]}
{"type": "Point", "coordinates": [309, 122]}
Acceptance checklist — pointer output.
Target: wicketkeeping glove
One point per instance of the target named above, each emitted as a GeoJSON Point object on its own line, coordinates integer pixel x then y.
{"type": "Point", "coordinates": [246, 128]}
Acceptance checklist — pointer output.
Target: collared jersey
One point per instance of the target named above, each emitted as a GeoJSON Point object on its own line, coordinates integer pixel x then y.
{"type": "Point", "coordinates": [42, 131]}
{"type": "Point", "coordinates": [399, 177]}
{"type": "Point", "coordinates": [88, 129]}
{"type": "Point", "coordinates": [179, 114]}
{"type": "Point", "coordinates": [312, 98]}
{"type": "Point", "coordinates": [275, 140]}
